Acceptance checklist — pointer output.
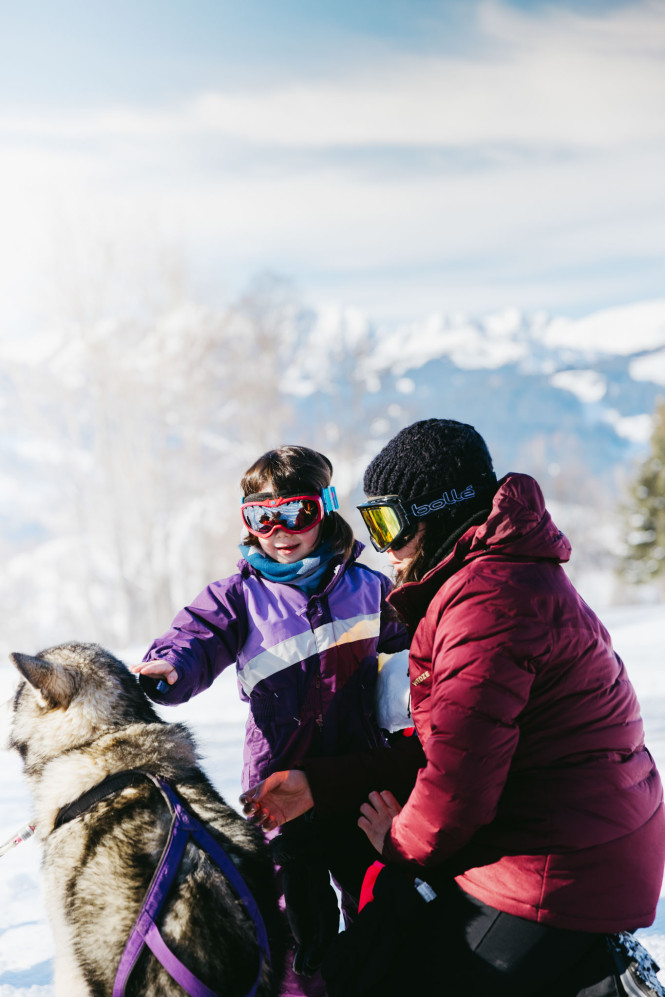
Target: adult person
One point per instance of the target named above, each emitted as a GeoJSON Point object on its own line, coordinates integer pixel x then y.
{"type": "Point", "coordinates": [537, 814]}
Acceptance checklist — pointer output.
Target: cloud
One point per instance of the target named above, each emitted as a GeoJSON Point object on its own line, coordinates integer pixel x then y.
{"type": "Point", "coordinates": [555, 78]}
{"type": "Point", "coordinates": [559, 80]}
{"type": "Point", "coordinates": [552, 78]}
{"type": "Point", "coordinates": [522, 167]}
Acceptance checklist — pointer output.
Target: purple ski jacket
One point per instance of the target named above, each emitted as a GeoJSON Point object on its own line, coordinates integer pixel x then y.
{"type": "Point", "coordinates": [307, 664]}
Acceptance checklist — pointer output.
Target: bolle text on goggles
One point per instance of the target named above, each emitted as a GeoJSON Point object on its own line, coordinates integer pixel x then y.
{"type": "Point", "coordinates": [391, 524]}
{"type": "Point", "coordinates": [263, 514]}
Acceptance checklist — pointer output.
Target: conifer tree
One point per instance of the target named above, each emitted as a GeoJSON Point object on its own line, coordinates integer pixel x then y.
{"type": "Point", "coordinates": [644, 560]}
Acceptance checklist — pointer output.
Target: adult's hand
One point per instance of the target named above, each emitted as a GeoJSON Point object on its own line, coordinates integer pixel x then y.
{"type": "Point", "coordinates": [279, 798]}
{"type": "Point", "coordinates": [377, 816]}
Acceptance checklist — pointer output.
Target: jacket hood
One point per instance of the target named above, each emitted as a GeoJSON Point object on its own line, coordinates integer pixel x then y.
{"type": "Point", "coordinates": [518, 526]}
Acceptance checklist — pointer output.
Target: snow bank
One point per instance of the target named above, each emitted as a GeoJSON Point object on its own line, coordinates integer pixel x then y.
{"type": "Point", "coordinates": [217, 719]}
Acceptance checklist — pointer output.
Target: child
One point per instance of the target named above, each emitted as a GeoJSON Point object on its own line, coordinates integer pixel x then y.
{"type": "Point", "coordinates": [304, 622]}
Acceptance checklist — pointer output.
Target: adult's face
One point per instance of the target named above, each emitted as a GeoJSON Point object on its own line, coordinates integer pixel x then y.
{"type": "Point", "coordinates": [402, 556]}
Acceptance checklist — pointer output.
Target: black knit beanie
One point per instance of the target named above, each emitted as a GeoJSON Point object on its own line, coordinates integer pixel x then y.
{"type": "Point", "coordinates": [441, 470]}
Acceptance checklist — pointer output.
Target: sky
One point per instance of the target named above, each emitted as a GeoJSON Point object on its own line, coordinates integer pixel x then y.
{"type": "Point", "coordinates": [402, 157]}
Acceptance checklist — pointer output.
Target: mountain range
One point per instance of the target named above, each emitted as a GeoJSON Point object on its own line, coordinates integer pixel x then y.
{"type": "Point", "coordinates": [548, 394]}
{"type": "Point", "coordinates": [124, 441]}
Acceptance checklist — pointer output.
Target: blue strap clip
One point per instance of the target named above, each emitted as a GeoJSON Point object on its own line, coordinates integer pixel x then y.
{"type": "Point", "coordinates": [329, 496]}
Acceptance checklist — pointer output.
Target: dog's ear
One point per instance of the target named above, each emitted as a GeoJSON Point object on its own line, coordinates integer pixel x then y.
{"type": "Point", "coordinates": [56, 684]}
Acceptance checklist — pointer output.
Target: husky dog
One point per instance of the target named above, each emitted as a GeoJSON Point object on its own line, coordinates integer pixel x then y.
{"type": "Point", "coordinates": [78, 717]}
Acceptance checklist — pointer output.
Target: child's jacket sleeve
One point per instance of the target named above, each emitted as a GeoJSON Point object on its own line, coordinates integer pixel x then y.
{"type": "Point", "coordinates": [203, 640]}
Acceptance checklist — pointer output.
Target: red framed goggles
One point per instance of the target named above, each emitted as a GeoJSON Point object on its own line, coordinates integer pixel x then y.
{"type": "Point", "coordinates": [263, 514]}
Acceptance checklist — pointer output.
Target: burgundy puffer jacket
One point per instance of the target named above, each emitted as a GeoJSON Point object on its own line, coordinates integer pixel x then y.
{"type": "Point", "coordinates": [537, 779]}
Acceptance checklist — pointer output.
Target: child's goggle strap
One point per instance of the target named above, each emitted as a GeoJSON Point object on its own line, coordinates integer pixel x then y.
{"type": "Point", "coordinates": [262, 514]}
{"type": "Point", "coordinates": [328, 497]}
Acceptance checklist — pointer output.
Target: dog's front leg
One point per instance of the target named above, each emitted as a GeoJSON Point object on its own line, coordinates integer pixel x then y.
{"type": "Point", "coordinates": [68, 980]}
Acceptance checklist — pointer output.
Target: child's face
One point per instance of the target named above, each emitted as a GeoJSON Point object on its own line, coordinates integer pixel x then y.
{"type": "Point", "coordinates": [289, 547]}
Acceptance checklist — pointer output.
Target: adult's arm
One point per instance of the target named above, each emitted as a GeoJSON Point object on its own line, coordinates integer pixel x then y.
{"type": "Point", "coordinates": [343, 783]}
{"type": "Point", "coordinates": [482, 671]}
{"type": "Point", "coordinates": [333, 785]}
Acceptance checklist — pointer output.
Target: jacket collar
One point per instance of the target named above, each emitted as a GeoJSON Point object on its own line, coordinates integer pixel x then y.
{"type": "Point", "coordinates": [411, 600]}
{"type": "Point", "coordinates": [518, 526]}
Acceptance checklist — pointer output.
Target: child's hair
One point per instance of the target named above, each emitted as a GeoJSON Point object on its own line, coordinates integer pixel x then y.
{"type": "Point", "coordinates": [293, 470]}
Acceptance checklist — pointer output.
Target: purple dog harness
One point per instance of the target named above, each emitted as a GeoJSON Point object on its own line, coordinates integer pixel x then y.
{"type": "Point", "coordinates": [145, 931]}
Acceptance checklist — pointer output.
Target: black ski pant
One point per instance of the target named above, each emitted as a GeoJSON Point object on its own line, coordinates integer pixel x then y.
{"type": "Point", "coordinates": [453, 945]}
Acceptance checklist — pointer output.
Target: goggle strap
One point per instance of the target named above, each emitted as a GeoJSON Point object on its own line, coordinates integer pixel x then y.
{"type": "Point", "coordinates": [329, 497]}
{"type": "Point", "coordinates": [421, 506]}
{"type": "Point", "coordinates": [256, 497]}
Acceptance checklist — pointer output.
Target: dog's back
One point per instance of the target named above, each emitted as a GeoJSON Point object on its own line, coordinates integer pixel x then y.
{"type": "Point", "coordinates": [80, 717]}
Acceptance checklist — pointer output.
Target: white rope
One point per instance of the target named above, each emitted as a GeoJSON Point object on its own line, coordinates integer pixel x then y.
{"type": "Point", "coordinates": [21, 835]}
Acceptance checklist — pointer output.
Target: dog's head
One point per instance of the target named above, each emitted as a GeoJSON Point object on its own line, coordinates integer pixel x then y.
{"type": "Point", "coordinates": [69, 695]}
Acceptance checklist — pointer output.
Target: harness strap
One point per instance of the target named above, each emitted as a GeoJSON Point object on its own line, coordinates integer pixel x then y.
{"type": "Point", "coordinates": [145, 931]}
{"type": "Point", "coordinates": [152, 903]}
{"type": "Point", "coordinates": [176, 969]}
{"type": "Point", "coordinates": [184, 826]}
{"type": "Point", "coordinates": [112, 784]}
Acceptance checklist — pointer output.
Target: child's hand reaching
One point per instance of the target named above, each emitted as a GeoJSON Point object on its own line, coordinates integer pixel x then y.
{"type": "Point", "coordinates": [278, 799]}
{"type": "Point", "coordinates": [156, 670]}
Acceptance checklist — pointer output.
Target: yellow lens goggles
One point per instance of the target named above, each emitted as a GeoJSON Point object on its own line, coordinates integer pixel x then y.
{"type": "Point", "coordinates": [386, 521]}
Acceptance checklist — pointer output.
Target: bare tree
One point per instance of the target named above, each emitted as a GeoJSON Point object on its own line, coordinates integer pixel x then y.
{"type": "Point", "coordinates": [132, 434]}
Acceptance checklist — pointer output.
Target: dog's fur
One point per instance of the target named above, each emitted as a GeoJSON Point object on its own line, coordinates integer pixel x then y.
{"type": "Point", "coordinates": [79, 716]}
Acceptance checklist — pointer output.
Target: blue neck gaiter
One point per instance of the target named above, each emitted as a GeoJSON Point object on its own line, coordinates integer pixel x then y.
{"type": "Point", "coordinates": [305, 574]}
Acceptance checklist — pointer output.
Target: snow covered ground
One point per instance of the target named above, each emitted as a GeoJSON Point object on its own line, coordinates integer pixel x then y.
{"type": "Point", "coordinates": [217, 717]}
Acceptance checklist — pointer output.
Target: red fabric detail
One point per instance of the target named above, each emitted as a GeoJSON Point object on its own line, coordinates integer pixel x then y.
{"type": "Point", "coordinates": [367, 889]}
{"type": "Point", "coordinates": [409, 731]}
{"type": "Point", "coordinates": [547, 888]}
